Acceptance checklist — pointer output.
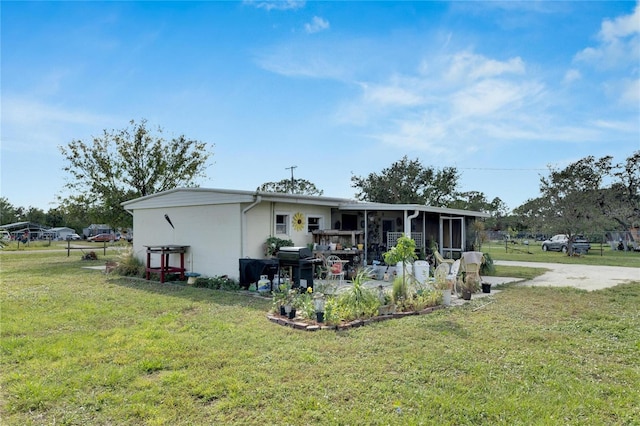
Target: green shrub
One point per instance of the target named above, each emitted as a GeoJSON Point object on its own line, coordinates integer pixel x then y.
{"type": "Point", "coordinates": [487, 267]}
{"type": "Point", "coordinates": [218, 283]}
{"type": "Point", "coordinates": [273, 244]}
{"type": "Point", "coordinates": [358, 301]}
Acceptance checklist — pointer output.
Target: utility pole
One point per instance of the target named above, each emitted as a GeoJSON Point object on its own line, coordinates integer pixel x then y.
{"type": "Point", "coordinates": [292, 180]}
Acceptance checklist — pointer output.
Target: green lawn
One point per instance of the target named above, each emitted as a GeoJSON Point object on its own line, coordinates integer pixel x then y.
{"type": "Point", "coordinates": [78, 347]}
{"type": "Point", "coordinates": [598, 255]}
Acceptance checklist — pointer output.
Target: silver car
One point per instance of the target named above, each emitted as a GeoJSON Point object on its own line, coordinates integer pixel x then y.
{"type": "Point", "coordinates": [560, 242]}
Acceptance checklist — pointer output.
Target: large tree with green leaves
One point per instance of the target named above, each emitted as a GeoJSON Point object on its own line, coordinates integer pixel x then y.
{"type": "Point", "coordinates": [120, 165]}
{"type": "Point", "coordinates": [408, 182]}
{"type": "Point", "coordinates": [589, 195]}
{"type": "Point", "coordinates": [291, 186]}
{"type": "Point", "coordinates": [621, 201]}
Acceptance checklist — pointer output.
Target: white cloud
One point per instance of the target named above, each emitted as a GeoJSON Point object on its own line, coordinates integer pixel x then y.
{"type": "Point", "coordinates": [390, 95]}
{"type": "Point", "coordinates": [30, 124]}
{"type": "Point", "coordinates": [619, 43]}
{"type": "Point", "coordinates": [572, 75]}
{"type": "Point", "coordinates": [277, 4]}
{"type": "Point", "coordinates": [466, 65]}
{"type": "Point", "coordinates": [621, 27]}
{"type": "Point", "coordinates": [631, 92]}
{"type": "Point", "coordinates": [316, 25]}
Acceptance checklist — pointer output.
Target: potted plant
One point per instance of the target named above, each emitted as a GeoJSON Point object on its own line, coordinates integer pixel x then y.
{"type": "Point", "coordinates": [442, 283]}
{"type": "Point", "coordinates": [403, 253]}
{"type": "Point", "coordinates": [280, 299]}
{"type": "Point", "coordinates": [273, 244]}
{"type": "Point", "coordinates": [469, 285]}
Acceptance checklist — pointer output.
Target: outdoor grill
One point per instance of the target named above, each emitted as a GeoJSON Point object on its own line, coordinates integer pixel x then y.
{"type": "Point", "coordinates": [293, 254]}
{"type": "Point", "coordinates": [301, 262]}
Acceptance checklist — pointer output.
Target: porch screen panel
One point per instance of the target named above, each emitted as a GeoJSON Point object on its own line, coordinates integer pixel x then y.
{"type": "Point", "coordinates": [452, 229]}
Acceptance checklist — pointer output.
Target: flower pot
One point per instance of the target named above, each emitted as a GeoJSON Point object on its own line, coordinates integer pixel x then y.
{"type": "Point", "coordinates": [320, 316]}
{"type": "Point", "coordinates": [466, 294]}
{"type": "Point", "coordinates": [292, 314]}
{"type": "Point", "coordinates": [486, 288]}
{"type": "Point", "coordinates": [282, 311]}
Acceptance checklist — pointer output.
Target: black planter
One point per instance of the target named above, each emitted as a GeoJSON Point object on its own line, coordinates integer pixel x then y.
{"type": "Point", "coordinates": [466, 294]}
{"type": "Point", "coordinates": [486, 288]}
{"type": "Point", "coordinates": [282, 311]}
{"type": "Point", "coordinates": [320, 316]}
{"type": "Point", "coordinates": [292, 314]}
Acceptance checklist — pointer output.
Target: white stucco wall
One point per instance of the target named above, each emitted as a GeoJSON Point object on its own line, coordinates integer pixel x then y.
{"type": "Point", "coordinates": [212, 232]}
{"type": "Point", "coordinates": [261, 224]}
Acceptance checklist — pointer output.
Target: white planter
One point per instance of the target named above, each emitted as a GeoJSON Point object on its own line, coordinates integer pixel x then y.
{"type": "Point", "coordinates": [408, 268]}
{"type": "Point", "coordinates": [446, 297]}
{"type": "Point", "coordinates": [421, 268]}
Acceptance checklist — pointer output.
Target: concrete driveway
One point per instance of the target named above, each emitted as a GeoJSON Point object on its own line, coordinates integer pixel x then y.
{"type": "Point", "coordinates": [585, 277]}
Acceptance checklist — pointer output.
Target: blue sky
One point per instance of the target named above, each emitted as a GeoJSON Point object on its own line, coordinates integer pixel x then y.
{"type": "Point", "coordinates": [498, 90]}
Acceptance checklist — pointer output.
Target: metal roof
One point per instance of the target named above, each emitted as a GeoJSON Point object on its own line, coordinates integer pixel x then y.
{"type": "Point", "coordinates": [208, 196]}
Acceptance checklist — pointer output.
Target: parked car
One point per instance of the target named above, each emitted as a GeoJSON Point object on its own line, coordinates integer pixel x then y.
{"type": "Point", "coordinates": [102, 237]}
{"type": "Point", "coordinates": [73, 237]}
{"type": "Point", "coordinates": [560, 242]}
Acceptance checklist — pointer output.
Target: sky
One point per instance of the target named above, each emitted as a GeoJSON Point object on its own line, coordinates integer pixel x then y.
{"type": "Point", "coordinates": [500, 90]}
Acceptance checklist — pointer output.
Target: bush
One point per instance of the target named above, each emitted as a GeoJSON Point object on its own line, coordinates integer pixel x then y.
{"type": "Point", "coordinates": [217, 283]}
{"type": "Point", "coordinates": [487, 267]}
{"type": "Point", "coordinates": [129, 265]}
{"type": "Point", "coordinates": [358, 301]}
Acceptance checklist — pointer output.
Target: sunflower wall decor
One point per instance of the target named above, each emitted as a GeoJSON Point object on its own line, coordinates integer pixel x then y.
{"type": "Point", "coordinates": [298, 221]}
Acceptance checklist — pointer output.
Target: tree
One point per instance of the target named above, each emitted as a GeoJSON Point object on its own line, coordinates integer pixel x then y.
{"type": "Point", "coordinates": [287, 186]}
{"type": "Point", "coordinates": [132, 162]}
{"type": "Point", "coordinates": [8, 213]}
{"type": "Point", "coordinates": [621, 202]}
{"type": "Point", "coordinates": [576, 199]}
{"type": "Point", "coordinates": [408, 182]}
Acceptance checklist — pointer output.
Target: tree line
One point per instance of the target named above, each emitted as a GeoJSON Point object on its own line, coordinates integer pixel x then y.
{"type": "Point", "coordinates": [120, 165]}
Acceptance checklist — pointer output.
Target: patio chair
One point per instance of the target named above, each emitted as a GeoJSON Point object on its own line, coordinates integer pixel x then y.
{"type": "Point", "coordinates": [440, 259]}
{"type": "Point", "coordinates": [471, 262]}
{"type": "Point", "coordinates": [452, 276]}
{"type": "Point", "coordinates": [335, 267]}
{"type": "Point", "coordinates": [440, 274]}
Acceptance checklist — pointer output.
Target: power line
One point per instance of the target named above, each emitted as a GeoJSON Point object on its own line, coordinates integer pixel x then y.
{"type": "Point", "coordinates": [500, 169]}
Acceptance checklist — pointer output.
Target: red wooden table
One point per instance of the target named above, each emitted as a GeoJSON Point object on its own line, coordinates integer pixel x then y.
{"type": "Point", "coordinates": [165, 251]}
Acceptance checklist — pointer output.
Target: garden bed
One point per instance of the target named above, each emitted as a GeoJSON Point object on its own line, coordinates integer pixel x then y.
{"type": "Point", "coordinates": [301, 324]}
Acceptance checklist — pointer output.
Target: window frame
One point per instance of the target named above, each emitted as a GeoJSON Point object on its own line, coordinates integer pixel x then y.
{"type": "Point", "coordinates": [286, 223]}
{"type": "Point", "coordinates": [320, 223]}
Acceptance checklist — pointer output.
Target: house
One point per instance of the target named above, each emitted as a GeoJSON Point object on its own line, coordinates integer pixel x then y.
{"type": "Point", "coordinates": [95, 229]}
{"type": "Point", "coordinates": [221, 226]}
{"type": "Point", "coordinates": [61, 233]}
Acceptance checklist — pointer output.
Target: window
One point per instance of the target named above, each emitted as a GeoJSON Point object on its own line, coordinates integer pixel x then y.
{"type": "Point", "coordinates": [282, 224]}
{"type": "Point", "coordinates": [313, 223]}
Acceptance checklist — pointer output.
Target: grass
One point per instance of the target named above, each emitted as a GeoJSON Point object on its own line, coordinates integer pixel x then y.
{"type": "Point", "coordinates": [79, 347]}
{"type": "Point", "coordinates": [598, 255]}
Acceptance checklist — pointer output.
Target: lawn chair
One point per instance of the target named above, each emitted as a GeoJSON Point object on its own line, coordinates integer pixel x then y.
{"type": "Point", "coordinates": [335, 267]}
{"type": "Point", "coordinates": [440, 259]}
{"type": "Point", "coordinates": [471, 263]}
{"type": "Point", "coordinates": [452, 276]}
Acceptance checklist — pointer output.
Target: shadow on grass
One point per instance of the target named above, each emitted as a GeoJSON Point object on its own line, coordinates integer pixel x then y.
{"type": "Point", "coordinates": [446, 326]}
{"type": "Point", "coordinates": [251, 300]}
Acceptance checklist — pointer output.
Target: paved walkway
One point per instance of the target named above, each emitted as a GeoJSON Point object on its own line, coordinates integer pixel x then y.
{"type": "Point", "coordinates": [585, 277]}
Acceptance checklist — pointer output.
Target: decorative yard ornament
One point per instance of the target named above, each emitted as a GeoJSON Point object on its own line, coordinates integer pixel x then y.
{"type": "Point", "coordinates": [166, 216]}
{"type": "Point", "coordinates": [298, 221]}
